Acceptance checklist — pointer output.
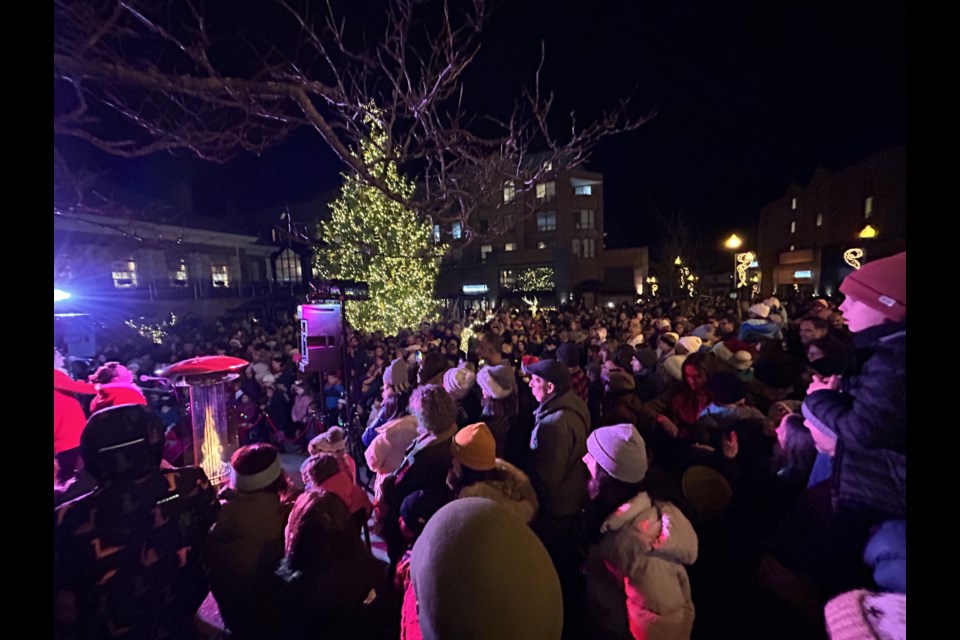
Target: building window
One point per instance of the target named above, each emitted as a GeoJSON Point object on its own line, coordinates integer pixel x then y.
{"type": "Point", "coordinates": [868, 207]}
{"type": "Point", "coordinates": [456, 230]}
{"type": "Point", "coordinates": [509, 192]}
{"type": "Point", "coordinates": [508, 279]}
{"type": "Point", "coordinates": [289, 269]}
{"type": "Point", "coordinates": [546, 244]}
{"type": "Point", "coordinates": [819, 219]}
{"type": "Point", "coordinates": [509, 221]}
{"type": "Point", "coordinates": [485, 250]}
{"type": "Point", "coordinates": [587, 248]}
{"type": "Point", "coordinates": [546, 191]}
{"type": "Point", "coordinates": [436, 233]}
{"type": "Point", "coordinates": [584, 248]}
{"type": "Point", "coordinates": [793, 226]}
{"type": "Point", "coordinates": [510, 246]}
{"type": "Point", "coordinates": [547, 221]}
{"type": "Point", "coordinates": [583, 219]}
{"type": "Point", "coordinates": [124, 274]}
{"type": "Point", "coordinates": [583, 190]}
{"type": "Point", "coordinates": [221, 275]}
{"type": "Point", "coordinates": [547, 166]}
{"type": "Point", "coordinates": [180, 277]}
{"type": "Point", "coordinates": [793, 204]}
{"type": "Point", "coordinates": [792, 247]}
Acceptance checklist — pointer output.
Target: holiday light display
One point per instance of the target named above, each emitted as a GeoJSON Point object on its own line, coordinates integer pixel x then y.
{"type": "Point", "coordinates": [372, 238]}
{"type": "Point", "coordinates": [536, 279]}
{"type": "Point", "coordinates": [153, 332]}
{"type": "Point", "coordinates": [852, 257]}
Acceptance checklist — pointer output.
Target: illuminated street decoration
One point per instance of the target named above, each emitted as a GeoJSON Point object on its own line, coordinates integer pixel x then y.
{"type": "Point", "coordinates": [743, 264]}
{"type": "Point", "coordinates": [868, 232]}
{"type": "Point", "coordinates": [852, 257]}
{"type": "Point", "coordinates": [534, 304]}
{"type": "Point", "coordinates": [153, 332]}
{"type": "Point", "coordinates": [59, 295]}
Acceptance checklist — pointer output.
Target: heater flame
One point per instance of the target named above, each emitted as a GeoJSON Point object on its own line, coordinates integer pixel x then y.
{"type": "Point", "coordinates": [211, 462]}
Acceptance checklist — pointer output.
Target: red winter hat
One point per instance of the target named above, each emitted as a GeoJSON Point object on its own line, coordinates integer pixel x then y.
{"type": "Point", "coordinates": [881, 285]}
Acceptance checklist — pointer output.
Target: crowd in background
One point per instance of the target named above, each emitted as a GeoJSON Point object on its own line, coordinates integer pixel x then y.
{"type": "Point", "coordinates": [613, 446]}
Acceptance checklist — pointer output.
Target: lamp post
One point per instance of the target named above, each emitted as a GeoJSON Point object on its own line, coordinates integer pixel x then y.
{"type": "Point", "coordinates": [733, 243]}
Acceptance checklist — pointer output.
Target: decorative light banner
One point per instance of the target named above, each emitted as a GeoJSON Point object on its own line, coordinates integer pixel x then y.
{"type": "Point", "coordinates": [743, 263]}
{"type": "Point", "coordinates": [852, 257]}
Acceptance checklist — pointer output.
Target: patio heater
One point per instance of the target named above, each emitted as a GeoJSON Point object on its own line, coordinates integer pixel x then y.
{"type": "Point", "coordinates": [214, 440]}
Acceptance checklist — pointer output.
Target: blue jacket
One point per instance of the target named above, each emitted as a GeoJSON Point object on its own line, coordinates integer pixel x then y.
{"type": "Point", "coordinates": [869, 416]}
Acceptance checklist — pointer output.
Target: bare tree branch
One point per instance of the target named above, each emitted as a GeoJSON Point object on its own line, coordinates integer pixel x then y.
{"type": "Point", "coordinates": [133, 77]}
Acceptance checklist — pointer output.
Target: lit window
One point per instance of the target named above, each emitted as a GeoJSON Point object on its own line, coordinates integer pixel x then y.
{"type": "Point", "coordinates": [510, 246]}
{"type": "Point", "coordinates": [547, 166]}
{"type": "Point", "coordinates": [485, 250]}
{"type": "Point", "coordinates": [583, 190]}
{"type": "Point", "coordinates": [819, 219]}
{"type": "Point", "coordinates": [587, 248]}
{"type": "Point", "coordinates": [124, 274]}
{"type": "Point", "coordinates": [508, 279]}
{"type": "Point", "coordinates": [436, 233]}
{"type": "Point", "coordinates": [221, 275]}
{"type": "Point", "coordinates": [793, 226]}
{"type": "Point", "coordinates": [456, 230]}
{"type": "Point", "coordinates": [547, 221]}
{"type": "Point", "coordinates": [180, 277]}
{"type": "Point", "coordinates": [541, 244]}
{"type": "Point", "coordinates": [509, 192]}
{"type": "Point", "coordinates": [546, 191]}
{"type": "Point", "coordinates": [583, 219]}
{"type": "Point", "coordinates": [793, 204]}
{"type": "Point", "coordinates": [868, 207]}
{"type": "Point", "coordinates": [289, 269]}
{"type": "Point", "coordinates": [791, 247]}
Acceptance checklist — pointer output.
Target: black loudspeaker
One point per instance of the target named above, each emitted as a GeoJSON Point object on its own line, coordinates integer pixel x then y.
{"type": "Point", "coordinates": [321, 331]}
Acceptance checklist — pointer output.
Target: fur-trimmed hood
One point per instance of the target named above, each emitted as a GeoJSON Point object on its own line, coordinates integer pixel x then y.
{"type": "Point", "coordinates": [510, 488]}
{"type": "Point", "coordinates": [660, 527]}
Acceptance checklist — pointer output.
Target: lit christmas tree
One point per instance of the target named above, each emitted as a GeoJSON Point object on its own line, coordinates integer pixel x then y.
{"type": "Point", "coordinates": [376, 240]}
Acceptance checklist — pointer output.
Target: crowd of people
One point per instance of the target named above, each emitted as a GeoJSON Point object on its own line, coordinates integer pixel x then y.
{"type": "Point", "coordinates": [544, 474]}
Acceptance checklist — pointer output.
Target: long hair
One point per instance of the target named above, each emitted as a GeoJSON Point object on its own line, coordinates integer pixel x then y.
{"type": "Point", "coordinates": [318, 532]}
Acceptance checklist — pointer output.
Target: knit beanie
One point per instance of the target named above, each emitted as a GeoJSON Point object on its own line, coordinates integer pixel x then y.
{"type": "Point", "coordinates": [397, 375]}
{"type": "Point", "coordinates": [265, 470]}
{"type": "Point", "coordinates": [479, 572]}
{"type": "Point", "coordinates": [619, 380]}
{"type": "Point", "coordinates": [814, 420]}
{"type": "Point", "coordinates": [497, 381]}
{"type": "Point", "coordinates": [332, 440]}
{"type": "Point", "coordinates": [475, 447]}
{"type": "Point", "coordinates": [458, 381]}
{"type": "Point", "coordinates": [620, 451]}
{"type": "Point", "coordinates": [691, 343]}
{"type": "Point", "coordinates": [881, 285]}
{"type": "Point", "coordinates": [761, 310]}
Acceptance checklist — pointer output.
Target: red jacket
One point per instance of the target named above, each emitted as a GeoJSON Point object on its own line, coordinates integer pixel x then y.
{"type": "Point", "coordinates": [68, 416]}
{"type": "Point", "coordinates": [114, 393]}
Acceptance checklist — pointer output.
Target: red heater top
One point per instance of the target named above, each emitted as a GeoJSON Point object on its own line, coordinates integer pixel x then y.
{"type": "Point", "coordinates": [203, 366]}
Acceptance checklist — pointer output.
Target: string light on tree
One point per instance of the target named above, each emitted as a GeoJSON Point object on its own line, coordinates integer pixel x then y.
{"type": "Point", "coordinates": [372, 238]}
{"type": "Point", "coordinates": [536, 279]}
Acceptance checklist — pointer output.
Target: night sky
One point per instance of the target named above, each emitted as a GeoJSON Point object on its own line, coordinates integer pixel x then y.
{"type": "Point", "coordinates": [749, 95]}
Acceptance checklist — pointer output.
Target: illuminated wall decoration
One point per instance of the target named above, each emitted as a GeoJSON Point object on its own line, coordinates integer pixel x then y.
{"type": "Point", "coordinates": [852, 257]}
{"type": "Point", "coordinates": [743, 264]}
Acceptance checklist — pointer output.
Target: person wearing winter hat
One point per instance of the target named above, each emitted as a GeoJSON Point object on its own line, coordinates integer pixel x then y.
{"type": "Point", "coordinates": [114, 386]}
{"type": "Point", "coordinates": [68, 417]}
{"type": "Point", "coordinates": [569, 354]}
{"type": "Point", "coordinates": [866, 410]}
{"type": "Point", "coordinates": [480, 573]}
{"type": "Point", "coordinates": [458, 381]}
{"type": "Point", "coordinates": [477, 472]}
{"type": "Point", "coordinates": [687, 345]}
{"type": "Point", "coordinates": [498, 383]}
{"type": "Point", "coordinates": [333, 441]}
{"type": "Point", "coordinates": [396, 397]}
{"type": "Point", "coordinates": [246, 543]}
{"type": "Point", "coordinates": [637, 585]}
{"type": "Point", "coordinates": [758, 326]}
{"type": "Point", "coordinates": [103, 533]}
{"type": "Point", "coordinates": [558, 442]}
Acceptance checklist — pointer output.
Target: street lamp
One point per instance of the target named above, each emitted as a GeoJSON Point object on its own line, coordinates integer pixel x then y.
{"type": "Point", "coordinates": [652, 281]}
{"type": "Point", "coordinates": [733, 243]}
